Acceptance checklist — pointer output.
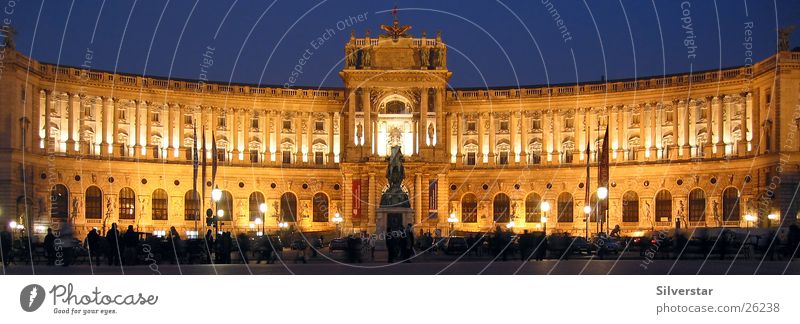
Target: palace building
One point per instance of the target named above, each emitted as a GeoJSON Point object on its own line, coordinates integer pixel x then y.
{"type": "Point", "coordinates": [706, 149]}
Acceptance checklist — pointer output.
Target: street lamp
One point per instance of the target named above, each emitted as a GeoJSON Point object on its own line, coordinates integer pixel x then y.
{"type": "Point", "coordinates": [587, 209]}
{"type": "Point", "coordinates": [260, 224]}
{"type": "Point", "coordinates": [510, 224]}
{"type": "Point", "coordinates": [750, 219]}
{"type": "Point", "coordinates": [602, 193]}
{"type": "Point", "coordinates": [216, 194]}
{"type": "Point", "coordinates": [337, 219]}
{"type": "Point", "coordinates": [772, 217]}
{"type": "Point", "coordinates": [545, 207]}
{"type": "Point", "coordinates": [452, 220]}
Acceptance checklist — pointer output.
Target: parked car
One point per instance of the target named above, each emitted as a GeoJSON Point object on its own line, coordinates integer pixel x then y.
{"type": "Point", "coordinates": [455, 245]}
{"type": "Point", "coordinates": [338, 244]}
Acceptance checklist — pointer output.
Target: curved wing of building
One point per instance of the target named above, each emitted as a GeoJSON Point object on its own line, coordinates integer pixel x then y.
{"type": "Point", "coordinates": [715, 148]}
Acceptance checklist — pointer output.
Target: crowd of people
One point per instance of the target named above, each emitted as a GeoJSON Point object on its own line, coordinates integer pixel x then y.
{"type": "Point", "coordinates": [129, 247]}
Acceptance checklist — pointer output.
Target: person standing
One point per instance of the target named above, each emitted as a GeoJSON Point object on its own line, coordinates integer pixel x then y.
{"type": "Point", "coordinates": [50, 247]}
{"type": "Point", "coordinates": [113, 253]}
{"type": "Point", "coordinates": [5, 245]}
{"type": "Point", "coordinates": [93, 243]}
{"type": "Point", "coordinates": [130, 241]}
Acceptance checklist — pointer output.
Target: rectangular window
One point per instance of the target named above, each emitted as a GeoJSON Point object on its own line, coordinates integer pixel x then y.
{"type": "Point", "coordinates": [156, 152]}
{"type": "Point", "coordinates": [319, 158]}
{"type": "Point", "coordinates": [221, 121]}
{"type": "Point", "coordinates": [569, 122]}
{"type": "Point", "coordinates": [634, 120]}
{"type": "Point", "coordinates": [254, 156]}
{"type": "Point", "coordinates": [254, 123]}
{"type": "Point", "coordinates": [472, 126]}
{"type": "Point", "coordinates": [155, 117]}
{"type": "Point", "coordinates": [568, 156]}
{"type": "Point", "coordinates": [319, 126]}
{"type": "Point", "coordinates": [287, 125]}
{"type": "Point", "coordinates": [504, 125]}
{"type": "Point", "coordinates": [187, 119]}
{"type": "Point", "coordinates": [286, 157]}
{"type": "Point", "coordinates": [471, 158]}
{"type": "Point", "coordinates": [189, 152]}
{"type": "Point", "coordinates": [536, 123]}
{"type": "Point", "coordinates": [536, 158]}
{"type": "Point", "coordinates": [122, 114]}
{"type": "Point", "coordinates": [221, 155]}
{"type": "Point", "coordinates": [503, 158]}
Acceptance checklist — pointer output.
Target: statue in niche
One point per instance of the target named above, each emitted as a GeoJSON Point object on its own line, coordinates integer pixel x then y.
{"type": "Point", "coordinates": [366, 57]}
{"type": "Point", "coordinates": [359, 132]}
{"type": "Point", "coordinates": [350, 57]}
{"type": "Point", "coordinates": [431, 133]}
{"type": "Point", "coordinates": [783, 37]}
{"type": "Point", "coordinates": [424, 57]}
{"type": "Point", "coordinates": [395, 173]}
{"type": "Point", "coordinates": [714, 207]}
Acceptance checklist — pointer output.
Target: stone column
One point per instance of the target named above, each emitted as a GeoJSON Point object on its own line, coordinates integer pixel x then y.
{"type": "Point", "coordinates": [263, 124]}
{"type": "Point", "coordinates": [418, 190]}
{"type": "Point", "coordinates": [367, 109]}
{"type": "Point", "coordinates": [481, 138]}
{"type": "Point", "coordinates": [675, 139]}
{"type": "Point", "coordinates": [423, 117]}
{"type": "Point", "coordinates": [692, 123]}
{"type": "Point", "coordinates": [438, 106]}
{"type": "Point", "coordinates": [443, 199]}
{"type": "Point", "coordinates": [719, 132]}
{"type": "Point", "coordinates": [48, 102]}
{"type": "Point", "coordinates": [276, 132]}
{"type": "Point", "coordinates": [492, 136]}
{"type": "Point", "coordinates": [148, 122]}
{"type": "Point", "coordinates": [72, 118]}
{"type": "Point", "coordinates": [556, 134]}
{"type": "Point", "coordinates": [654, 126]}
{"type": "Point", "coordinates": [512, 131]}
{"type": "Point", "coordinates": [310, 138]}
{"type": "Point", "coordinates": [460, 139]}
{"type": "Point", "coordinates": [546, 137]}
{"type": "Point", "coordinates": [331, 158]}
{"type": "Point", "coordinates": [524, 127]}
{"type": "Point", "coordinates": [581, 127]}
{"type": "Point", "coordinates": [448, 135]}
{"type": "Point", "coordinates": [233, 125]}
{"type": "Point", "coordinates": [351, 119]}
{"type": "Point", "coordinates": [683, 126]}
{"type": "Point", "coordinates": [105, 125]}
{"type": "Point", "coordinates": [298, 137]}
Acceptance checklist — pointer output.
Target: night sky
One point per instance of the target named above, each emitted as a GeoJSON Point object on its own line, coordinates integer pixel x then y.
{"type": "Point", "coordinates": [492, 43]}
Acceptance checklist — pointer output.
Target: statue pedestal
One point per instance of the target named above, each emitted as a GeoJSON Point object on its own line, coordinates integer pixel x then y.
{"type": "Point", "coordinates": [389, 219]}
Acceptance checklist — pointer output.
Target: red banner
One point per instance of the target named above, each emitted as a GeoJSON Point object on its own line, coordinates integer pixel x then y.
{"type": "Point", "coordinates": [356, 199]}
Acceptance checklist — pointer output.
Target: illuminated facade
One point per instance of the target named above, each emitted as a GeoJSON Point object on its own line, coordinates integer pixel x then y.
{"type": "Point", "coordinates": [92, 147]}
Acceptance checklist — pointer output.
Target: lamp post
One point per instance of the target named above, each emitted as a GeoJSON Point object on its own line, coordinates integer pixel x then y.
{"type": "Point", "coordinates": [263, 209]}
{"type": "Point", "coordinates": [772, 217]}
{"type": "Point", "coordinates": [587, 210]}
{"type": "Point", "coordinates": [337, 219]}
{"type": "Point", "coordinates": [220, 214]}
{"type": "Point", "coordinates": [452, 220]}
{"type": "Point", "coordinates": [216, 195]}
{"type": "Point", "coordinates": [602, 194]}
{"type": "Point", "coordinates": [545, 207]}
{"type": "Point", "coordinates": [260, 225]}
{"type": "Point", "coordinates": [750, 219]}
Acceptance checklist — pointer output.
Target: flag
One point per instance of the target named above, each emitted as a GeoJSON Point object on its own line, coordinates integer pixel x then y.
{"type": "Point", "coordinates": [356, 198]}
{"type": "Point", "coordinates": [194, 171]}
{"type": "Point", "coordinates": [602, 171]}
{"type": "Point", "coordinates": [213, 160]}
{"type": "Point", "coordinates": [203, 157]}
{"type": "Point", "coordinates": [394, 12]}
{"type": "Point", "coordinates": [433, 202]}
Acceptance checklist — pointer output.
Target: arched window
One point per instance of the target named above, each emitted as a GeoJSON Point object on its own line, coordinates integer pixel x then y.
{"type": "Point", "coordinates": [697, 205]}
{"type": "Point", "coordinates": [730, 204]}
{"type": "Point", "coordinates": [256, 199]}
{"type": "Point", "coordinates": [630, 207]}
{"type": "Point", "coordinates": [664, 206]}
{"type": "Point", "coordinates": [565, 207]}
{"type": "Point", "coordinates": [226, 204]}
{"type": "Point", "coordinates": [160, 201]}
{"type": "Point", "coordinates": [320, 207]}
{"type": "Point", "coordinates": [502, 207]}
{"type": "Point", "coordinates": [191, 205]}
{"type": "Point", "coordinates": [469, 209]}
{"type": "Point", "coordinates": [94, 203]}
{"type": "Point", "coordinates": [127, 203]}
{"type": "Point", "coordinates": [532, 212]}
{"type": "Point", "coordinates": [288, 207]}
{"type": "Point", "coordinates": [59, 202]}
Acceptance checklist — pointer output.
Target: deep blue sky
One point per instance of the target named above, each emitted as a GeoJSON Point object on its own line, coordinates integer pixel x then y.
{"type": "Point", "coordinates": [268, 38]}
